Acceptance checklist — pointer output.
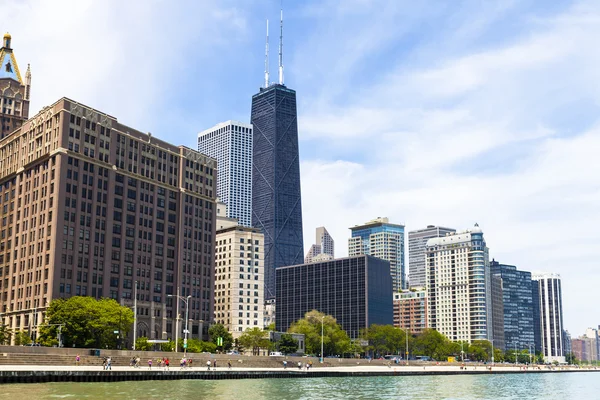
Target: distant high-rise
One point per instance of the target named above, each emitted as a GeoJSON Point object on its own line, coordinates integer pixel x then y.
{"type": "Point", "coordinates": [458, 286]}
{"type": "Point", "coordinates": [14, 91]}
{"type": "Point", "coordinates": [323, 245]}
{"type": "Point", "coordinates": [276, 197]}
{"type": "Point", "coordinates": [379, 238]}
{"type": "Point", "coordinates": [417, 245]}
{"type": "Point", "coordinates": [517, 304]}
{"type": "Point", "coordinates": [497, 312]}
{"type": "Point", "coordinates": [551, 316]}
{"type": "Point", "coordinates": [230, 143]}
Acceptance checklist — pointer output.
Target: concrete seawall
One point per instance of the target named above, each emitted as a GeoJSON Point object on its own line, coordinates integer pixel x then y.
{"type": "Point", "coordinates": [176, 373]}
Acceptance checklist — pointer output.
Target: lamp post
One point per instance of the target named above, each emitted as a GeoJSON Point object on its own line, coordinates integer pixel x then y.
{"type": "Point", "coordinates": [405, 330]}
{"type": "Point", "coordinates": [135, 314]}
{"type": "Point", "coordinates": [462, 353]}
{"type": "Point", "coordinates": [516, 357]}
{"type": "Point", "coordinates": [492, 342]}
{"type": "Point", "coordinates": [529, 353]}
{"type": "Point", "coordinates": [322, 319]}
{"type": "Point", "coordinates": [186, 300]}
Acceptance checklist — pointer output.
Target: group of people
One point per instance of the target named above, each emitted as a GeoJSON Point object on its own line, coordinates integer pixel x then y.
{"type": "Point", "coordinates": [107, 363]}
{"type": "Point", "coordinates": [306, 366]}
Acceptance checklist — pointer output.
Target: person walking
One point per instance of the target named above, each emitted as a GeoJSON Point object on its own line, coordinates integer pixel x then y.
{"type": "Point", "coordinates": [228, 364]}
{"type": "Point", "coordinates": [77, 358]}
{"type": "Point", "coordinates": [284, 364]}
{"type": "Point", "coordinates": [109, 364]}
{"type": "Point", "coordinates": [208, 364]}
{"type": "Point", "coordinates": [149, 363]}
{"type": "Point", "coordinates": [300, 365]}
{"type": "Point", "coordinates": [104, 363]}
{"type": "Point", "coordinates": [215, 364]}
{"type": "Point", "coordinates": [167, 363]}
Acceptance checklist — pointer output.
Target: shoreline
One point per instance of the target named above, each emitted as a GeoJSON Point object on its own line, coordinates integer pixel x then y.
{"type": "Point", "coordinates": [45, 374]}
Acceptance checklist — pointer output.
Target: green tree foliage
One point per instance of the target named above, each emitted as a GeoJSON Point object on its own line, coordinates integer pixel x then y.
{"type": "Point", "coordinates": [168, 346]}
{"type": "Point", "coordinates": [142, 344]}
{"type": "Point", "coordinates": [433, 344]}
{"type": "Point", "coordinates": [335, 339]}
{"type": "Point", "coordinates": [218, 330]}
{"type": "Point", "coordinates": [5, 334]}
{"type": "Point", "coordinates": [86, 322]}
{"type": "Point", "coordinates": [385, 339]}
{"type": "Point", "coordinates": [22, 338]}
{"type": "Point", "coordinates": [287, 344]}
{"type": "Point", "coordinates": [255, 339]}
{"type": "Point", "coordinates": [270, 327]}
{"type": "Point", "coordinates": [571, 359]}
{"type": "Point", "coordinates": [198, 346]}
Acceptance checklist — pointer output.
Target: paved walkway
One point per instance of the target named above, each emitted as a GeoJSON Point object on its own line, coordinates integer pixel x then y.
{"type": "Point", "coordinates": [358, 368]}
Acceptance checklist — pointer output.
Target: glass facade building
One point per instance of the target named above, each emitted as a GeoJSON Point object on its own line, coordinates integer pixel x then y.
{"type": "Point", "coordinates": [518, 305]}
{"type": "Point", "coordinates": [551, 316]}
{"type": "Point", "coordinates": [276, 197]}
{"type": "Point", "coordinates": [357, 291]}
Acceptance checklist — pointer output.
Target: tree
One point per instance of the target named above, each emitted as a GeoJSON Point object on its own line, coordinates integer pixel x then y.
{"type": "Point", "coordinates": [385, 339]}
{"type": "Point", "coordinates": [571, 359]}
{"type": "Point", "coordinates": [22, 338]}
{"type": "Point", "coordinates": [335, 339]}
{"type": "Point", "coordinates": [168, 346]}
{"type": "Point", "coordinates": [218, 330]}
{"type": "Point", "coordinates": [86, 322]}
{"type": "Point", "coordinates": [287, 344]}
{"type": "Point", "coordinates": [256, 339]}
{"type": "Point", "coordinates": [270, 327]}
{"type": "Point", "coordinates": [142, 344]}
{"type": "Point", "coordinates": [5, 334]}
{"type": "Point", "coordinates": [431, 343]}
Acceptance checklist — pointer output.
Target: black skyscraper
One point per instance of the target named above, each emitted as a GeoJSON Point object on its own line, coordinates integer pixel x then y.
{"type": "Point", "coordinates": [276, 200]}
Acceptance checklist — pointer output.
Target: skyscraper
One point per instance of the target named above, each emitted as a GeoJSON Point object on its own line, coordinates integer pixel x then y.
{"type": "Point", "coordinates": [497, 312]}
{"type": "Point", "coordinates": [14, 92]}
{"type": "Point", "coordinates": [324, 245]}
{"type": "Point", "coordinates": [417, 246]}
{"type": "Point", "coordinates": [379, 238]}
{"type": "Point", "coordinates": [94, 206]}
{"type": "Point", "coordinates": [517, 304]}
{"type": "Point", "coordinates": [230, 143]}
{"type": "Point", "coordinates": [551, 317]}
{"type": "Point", "coordinates": [458, 286]}
{"type": "Point", "coordinates": [276, 197]}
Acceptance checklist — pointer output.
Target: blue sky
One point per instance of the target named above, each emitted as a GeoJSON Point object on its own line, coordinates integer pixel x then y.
{"type": "Point", "coordinates": [444, 113]}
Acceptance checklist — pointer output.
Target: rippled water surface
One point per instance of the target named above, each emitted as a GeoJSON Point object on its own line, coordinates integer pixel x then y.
{"type": "Point", "coordinates": [583, 385]}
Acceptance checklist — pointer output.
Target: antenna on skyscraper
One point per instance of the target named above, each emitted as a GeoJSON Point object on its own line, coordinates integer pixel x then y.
{"type": "Point", "coordinates": [281, 48]}
{"type": "Point", "coordinates": [267, 58]}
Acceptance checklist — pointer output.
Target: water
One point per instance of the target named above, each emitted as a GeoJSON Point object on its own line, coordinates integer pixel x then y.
{"type": "Point", "coordinates": [583, 385]}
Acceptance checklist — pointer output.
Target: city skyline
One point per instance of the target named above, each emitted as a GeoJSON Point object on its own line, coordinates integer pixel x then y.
{"type": "Point", "coordinates": [457, 107]}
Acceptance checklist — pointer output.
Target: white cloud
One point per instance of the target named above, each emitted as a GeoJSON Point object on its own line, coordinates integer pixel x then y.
{"type": "Point", "coordinates": [494, 136]}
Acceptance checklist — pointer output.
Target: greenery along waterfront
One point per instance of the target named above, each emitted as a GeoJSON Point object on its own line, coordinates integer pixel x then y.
{"type": "Point", "coordinates": [85, 322]}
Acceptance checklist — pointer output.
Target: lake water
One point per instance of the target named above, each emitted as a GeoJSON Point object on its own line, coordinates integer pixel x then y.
{"type": "Point", "coordinates": [583, 385]}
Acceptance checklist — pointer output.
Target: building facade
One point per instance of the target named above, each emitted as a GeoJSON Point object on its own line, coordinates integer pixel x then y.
{"type": "Point", "coordinates": [410, 310]}
{"type": "Point", "coordinates": [417, 252]}
{"type": "Point", "coordinates": [14, 91]}
{"type": "Point", "coordinates": [517, 303]}
{"type": "Point", "coordinates": [91, 207]}
{"type": "Point", "coordinates": [551, 317]}
{"type": "Point", "coordinates": [276, 196]}
{"type": "Point", "coordinates": [230, 143]}
{"type": "Point", "coordinates": [324, 244]}
{"type": "Point", "coordinates": [379, 238]}
{"type": "Point", "coordinates": [497, 311]}
{"type": "Point", "coordinates": [239, 279]}
{"type": "Point", "coordinates": [458, 292]}
{"type": "Point", "coordinates": [356, 291]}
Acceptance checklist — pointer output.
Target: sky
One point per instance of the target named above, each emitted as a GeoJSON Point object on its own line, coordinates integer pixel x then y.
{"type": "Point", "coordinates": [443, 113]}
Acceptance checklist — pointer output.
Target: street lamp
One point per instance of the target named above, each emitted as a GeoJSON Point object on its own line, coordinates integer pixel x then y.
{"type": "Point", "coordinates": [405, 330]}
{"type": "Point", "coordinates": [516, 357]}
{"type": "Point", "coordinates": [492, 342]}
{"type": "Point", "coordinates": [322, 319]}
{"type": "Point", "coordinates": [529, 345]}
{"type": "Point", "coordinates": [462, 353]}
{"type": "Point", "coordinates": [186, 300]}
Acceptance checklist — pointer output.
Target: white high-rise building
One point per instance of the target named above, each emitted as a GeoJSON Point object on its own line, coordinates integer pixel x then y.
{"type": "Point", "coordinates": [417, 246]}
{"type": "Point", "coordinates": [458, 286]}
{"type": "Point", "coordinates": [551, 316]}
{"type": "Point", "coordinates": [324, 245]}
{"type": "Point", "coordinates": [230, 143]}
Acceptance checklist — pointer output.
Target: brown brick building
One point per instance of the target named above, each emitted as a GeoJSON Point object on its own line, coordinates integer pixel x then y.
{"type": "Point", "coordinates": [410, 310]}
{"type": "Point", "coordinates": [89, 206]}
{"type": "Point", "coordinates": [14, 92]}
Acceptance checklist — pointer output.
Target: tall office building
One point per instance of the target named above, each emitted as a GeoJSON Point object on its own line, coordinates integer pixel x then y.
{"type": "Point", "coordinates": [230, 143]}
{"type": "Point", "coordinates": [324, 245]}
{"type": "Point", "coordinates": [537, 327]}
{"type": "Point", "coordinates": [239, 277]}
{"type": "Point", "coordinates": [356, 291]}
{"type": "Point", "coordinates": [551, 316]}
{"type": "Point", "coordinates": [417, 252]}
{"type": "Point", "coordinates": [276, 198]}
{"type": "Point", "coordinates": [14, 91]}
{"type": "Point", "coordinates": [458, 286]}
{"type": "Point", "coordinates": [517, 304]}
{"type": "Point", "coordinates": [497, 311]}
{"type": "Point", "coordinates": [90, 207]}
{"type": "Point", "coordinates": [379, 238]}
